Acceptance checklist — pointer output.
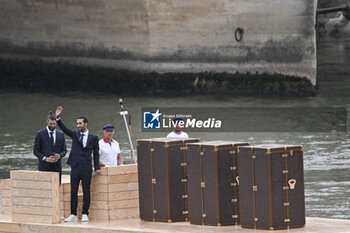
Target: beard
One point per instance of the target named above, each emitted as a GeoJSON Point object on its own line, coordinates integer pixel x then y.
{"type": "Point", "coordinates": [82, 129]}
{"type": "Point", "coordinates": [51, 128]}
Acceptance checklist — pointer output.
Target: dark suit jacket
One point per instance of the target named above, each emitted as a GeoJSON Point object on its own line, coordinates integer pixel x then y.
{"type": "Point", "coordinates": [78, 154]}
{"type": "Point", "coordinates": [42, 147]}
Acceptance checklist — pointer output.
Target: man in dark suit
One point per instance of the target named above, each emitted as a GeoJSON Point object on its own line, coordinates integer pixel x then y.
{"type": "Point", "coordinates": [50, 147]}
{"type": "Point", "coordinates": [83, 144]}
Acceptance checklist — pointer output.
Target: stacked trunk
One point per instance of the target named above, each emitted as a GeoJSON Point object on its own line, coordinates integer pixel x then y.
{"type": "Point", "coordinates": [162, 171]}
{"type": "Point", "coordinates": [213, 183]}
{"type": "Point", "coordinates": [272, 186]}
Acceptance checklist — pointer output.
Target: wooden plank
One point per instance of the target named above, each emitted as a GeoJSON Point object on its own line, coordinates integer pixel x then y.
{"type": "Point", "coordinates": [9, 227]}
{"type": "Point", "coordinates": [133, 203]}
{"type": "Point", "coordinates": [66, 197]}
{"type": "Point", "coordinates": [123, 187]}
{"type": "Point", "coordinates": [31, 210]}
{"type": "Point", "coordinates": [29, 201]}
{"type": "Point", "coordinates": [123, 213]}
{"type": "Point", "coordinates": [30, 175]}
{"type": "Point", "coordinates": [56, 209]}
{"type": "Point", "coordinates": [99, 214]}
{"type": "Point", "coordinates": [1, 183]}
{"type": "Point", "coordinates": [125, 195]}
{"type": "Point", "coordinates": [31, 218]}
{"type": "Point", "coordinates": [99, 188]}
{"type": "Point", "coordinates": [6, 193]}
{"type": "Point", "coordinates": [66, 205]}
{"type": "Point", "coordinates": [28, 184]}
{"type": "Point", "coordinates": [99, 179]}
{"type": "Point", "coordinates": [18, 192]}
{"type": "Point", "coordinates": [67, 188]}
{"type": "Point", "coordinates": [99, 196]}
{"type": "Point", "coordinates": [66, 213]}
{"type": "Point", "coordinates": [130, 168]}
{"type": "Point", "coordinates": [104, 171]}
{"type": "Point", "coordinates": [80, 198]}
{"type": "Point", "coordinates": [122, 178]}
{"type": "Point", "coordinates": [6, 201]}
{"type": "Point", "coordinates": [65, 179]}
{"type": "Point", "coordinates": [31, 193]}
{"type": "Point", "coordinates": [6, 210]}
{"type": "Point", "coordinates": [5, 184]}
{"type": "Point", "coordinates": [99, 205]}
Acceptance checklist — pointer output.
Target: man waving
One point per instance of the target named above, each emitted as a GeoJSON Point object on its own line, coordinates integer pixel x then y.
{"type": "Point", "coordinates": [84, 144]}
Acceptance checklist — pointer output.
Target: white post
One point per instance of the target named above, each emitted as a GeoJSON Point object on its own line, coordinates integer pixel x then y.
{"type": "Point", "coordinates": [132, 156]}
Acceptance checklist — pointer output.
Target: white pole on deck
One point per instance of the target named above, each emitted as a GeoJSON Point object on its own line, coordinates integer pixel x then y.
{"type": "Point", "coordinates": [124, 113]}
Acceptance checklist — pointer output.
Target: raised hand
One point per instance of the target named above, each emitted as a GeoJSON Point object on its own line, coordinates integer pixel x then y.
{"type": "Point", "coordinates": [59, 111]}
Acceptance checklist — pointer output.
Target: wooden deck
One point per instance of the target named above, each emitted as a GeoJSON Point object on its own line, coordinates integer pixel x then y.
{"type": "Point", "coordinates": [25, 209]}
{"type": "Point", "coordinates": [319, 225]}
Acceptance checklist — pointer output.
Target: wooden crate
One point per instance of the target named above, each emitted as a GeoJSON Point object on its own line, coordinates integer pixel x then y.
{"type": "Point", "coordinates": [6, 201]}
{"type": "Point", "coordinates": [114, 193]}
{"type": "Point", "coordinates": [35, 197]}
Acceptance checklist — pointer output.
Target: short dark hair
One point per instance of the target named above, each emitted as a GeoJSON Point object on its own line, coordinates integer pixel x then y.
{"type": "Point", "coordinates": [51, 117]}
{"type": "Point", "coordinates": [85, 120]}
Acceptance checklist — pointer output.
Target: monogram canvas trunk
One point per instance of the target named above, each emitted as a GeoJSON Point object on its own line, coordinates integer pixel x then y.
{"type": "Point", "coordinates": [213, 182]}
{"type": "Point", "coordinates": [272, 186]}
{"type": "Point", "coordinates": [162, 168]}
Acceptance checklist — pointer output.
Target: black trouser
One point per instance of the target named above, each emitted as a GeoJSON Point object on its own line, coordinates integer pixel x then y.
{"type": "Point", "coordinates": [84, 174]}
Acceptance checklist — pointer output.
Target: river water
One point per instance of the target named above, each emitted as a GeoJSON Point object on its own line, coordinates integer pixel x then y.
{"type": "Point", "coordinates": [326, 155]}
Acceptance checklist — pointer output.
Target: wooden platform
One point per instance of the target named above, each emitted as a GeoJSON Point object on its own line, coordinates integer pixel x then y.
{"type": "Point", "coordinates": [319, 225]}
{"type": "Point", "coordinates": [37, 197]}
{"type": "Point", "coordinates": [22, 209]}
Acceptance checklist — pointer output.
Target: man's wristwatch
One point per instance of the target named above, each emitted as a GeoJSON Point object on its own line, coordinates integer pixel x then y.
{"type": "Point", "coordinates": [44, 158]}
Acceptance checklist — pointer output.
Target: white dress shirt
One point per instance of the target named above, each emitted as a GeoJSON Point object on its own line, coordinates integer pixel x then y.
{"type": "Point", "coordinates": [54, 134]}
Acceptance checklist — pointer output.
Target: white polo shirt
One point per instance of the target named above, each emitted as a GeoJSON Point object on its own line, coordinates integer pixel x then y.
{"type": "Point", "coordinates": [109, 152]}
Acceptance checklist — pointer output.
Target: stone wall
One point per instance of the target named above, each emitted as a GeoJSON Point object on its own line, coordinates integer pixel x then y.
{"type": "Point", "coordinates": [165, 35]}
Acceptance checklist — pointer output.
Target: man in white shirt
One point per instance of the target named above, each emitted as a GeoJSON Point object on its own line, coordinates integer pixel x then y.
{"type": "Point", "coordinates": [109, 148]}
{"type": "Point", "coordinates": [177, 133]}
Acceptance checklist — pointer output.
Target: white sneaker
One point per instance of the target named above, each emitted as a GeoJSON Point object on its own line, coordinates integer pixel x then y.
{"type": "Point", "coordinates": [71, 218]}
{"type": "Point", "coordinates": [84, 218]}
